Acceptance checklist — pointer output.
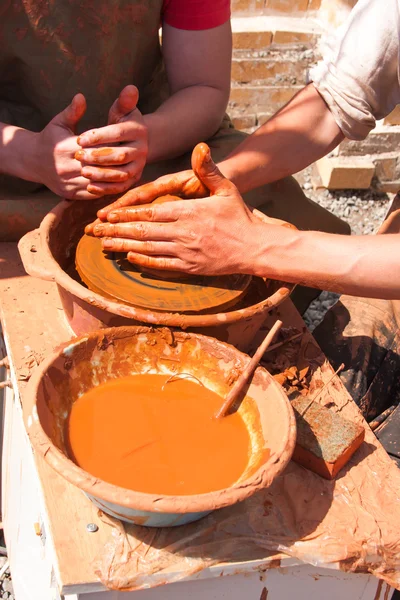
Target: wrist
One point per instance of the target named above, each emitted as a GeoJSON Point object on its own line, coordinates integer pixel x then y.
{"type": "Point", "coordinates": [19, 153]}
{"type": "Point", "coordinates": [276, 248]}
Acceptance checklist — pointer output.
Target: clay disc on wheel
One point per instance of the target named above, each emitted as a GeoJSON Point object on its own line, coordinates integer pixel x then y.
{"type": "Point", "coordinates": [111, 275]}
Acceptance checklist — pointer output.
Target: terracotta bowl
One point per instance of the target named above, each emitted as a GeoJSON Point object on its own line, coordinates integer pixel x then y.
{"type": "Point", "coordinates": [49, 253]}
{"type": "Point", "coordinates": [100, 356]}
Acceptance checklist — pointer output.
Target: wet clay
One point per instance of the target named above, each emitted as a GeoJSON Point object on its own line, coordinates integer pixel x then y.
{"type": "Point", "coordinates": [144, 434]}
{"type": "Point", "coordinates": [111, 275]}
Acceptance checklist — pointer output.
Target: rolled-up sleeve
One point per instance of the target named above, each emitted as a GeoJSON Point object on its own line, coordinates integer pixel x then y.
{"type": "Point", "coordinates": [359, 75]}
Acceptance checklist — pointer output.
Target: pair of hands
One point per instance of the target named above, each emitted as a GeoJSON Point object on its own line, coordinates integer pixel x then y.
{"type": "Point", "coordinates": [217, 235]}
{"type": "Point", "coordinates": [107, 160]}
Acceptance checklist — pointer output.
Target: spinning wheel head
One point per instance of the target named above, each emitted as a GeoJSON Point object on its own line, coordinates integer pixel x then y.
{"type": "Point", "coordinates": [113, 276]}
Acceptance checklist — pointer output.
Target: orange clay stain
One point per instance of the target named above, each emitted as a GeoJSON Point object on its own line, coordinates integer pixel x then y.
{"type": "Point", "coordinates": [144, 434]}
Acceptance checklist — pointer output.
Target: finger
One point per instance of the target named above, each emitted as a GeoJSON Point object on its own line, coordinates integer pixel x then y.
{"type": "Point", "coordinates": [127, 245]}
{"type": "Point", "coordinates": [110, 189]}
{"type": "Point", "coordinates": [70, 116]}
{"type": "Point", "coordinates": [110, 175]}
{"type": "Point", "coordinates": [85, 195]}
{"type": "Point", "coordinates": [124, 104]}
{"type": "Point", "coordinates": [161, 213]}
{"type": "Point", "coordinates": [135, 231]}
{"type": "Point", "coordinates": [89, 228]}
{"type": "Point", "coordinates": [117, 155]}
{"type": "Point", "coordinates": [160, 262]}
{"type": "Point", "coordinates": [129, 131]}
{"type": "Point", "coordinates": [207, 171]}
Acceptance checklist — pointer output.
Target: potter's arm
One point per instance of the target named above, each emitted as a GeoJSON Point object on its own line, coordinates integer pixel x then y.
{"type": "Point", "coordinates": [198, 70]}
{"type": "Point", "coordinates": [16, 151]}
{"type": "Point", "coordinates": [299, 134]}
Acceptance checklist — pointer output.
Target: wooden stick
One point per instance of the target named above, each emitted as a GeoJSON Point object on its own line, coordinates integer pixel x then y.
{"type": "Point", "coordinates": [248, 371]}
{"type": "Point", "coordinates": [283, 342]}
{"type": "Point", "coordinates": [305, 409]}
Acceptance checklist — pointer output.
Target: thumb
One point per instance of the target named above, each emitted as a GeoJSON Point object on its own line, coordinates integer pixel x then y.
{"type": "Point", "coordinates": [207, 171]}
{"type": "Point", "coordinates": [124, 104]}
{"type": "Point", "coordinates": [70, 116]}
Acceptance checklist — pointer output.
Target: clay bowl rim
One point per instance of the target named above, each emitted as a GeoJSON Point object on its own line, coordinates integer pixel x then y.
{"type": "Point", "coordinates": [141, 501]}
{"type": "Point", "coordinates": [140, 314]}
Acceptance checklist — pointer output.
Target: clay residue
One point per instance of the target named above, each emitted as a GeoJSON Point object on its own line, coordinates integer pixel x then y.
{"type": "Point", "coordinates": [111, 275]}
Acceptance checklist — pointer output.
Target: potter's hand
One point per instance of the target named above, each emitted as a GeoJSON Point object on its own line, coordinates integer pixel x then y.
{"type": "Point", "coordinates": [211, 236]}
{"type": "Point", "coordinates": [113, 157]}
{"type": "Point", "coordinates": [184, 184]}
{"type": "Point", "coordinates": [54, 151]}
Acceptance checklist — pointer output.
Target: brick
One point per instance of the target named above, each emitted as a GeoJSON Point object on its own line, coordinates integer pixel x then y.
{"type": "Point", "coordinates": [263, 99]}
{"type": "Point", "coordinates": [248, 6]}
{"type": "Point", "coordinates": [388, 187]}
{"type": "Point", "coordinates": [394, 117]}
{"type": "Point", "coordinates": [341, 174]}
{"type": "Point", "coordinates": [386, 166]}
{"type": "Point", "coordinates": [262, 118]}
{"type": "Point", "coordinates": [244, 121]}
{"type": "Point", "coordinates": [378, 142]}
{"type": "Point", "coordinates": [314, 4]}
{"type": "Point", "coordinates": [287, 6]}
{"type": "Point", "coordinates": [252, 40]}
{"type": "Point", "coordinates": [294, 37]}
{"type": "Point", "coordinates": [325, 440]}
{"type": "Point", "coordinates": [270, 72]}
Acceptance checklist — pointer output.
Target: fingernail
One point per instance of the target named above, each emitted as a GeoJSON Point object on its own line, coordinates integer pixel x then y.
{"type": "Point", "coordinates": [107, 243]}
{"type": "Point", "coordinates": [207, 156]}
{"type": "Point", "coordinates": [98, 229]}
{"type": "Point", "coordinates": [113, 217]}
{"type": "Point", "coordinates": [94, 190]}
{"type": "Point", "coordinates": [79, 155]}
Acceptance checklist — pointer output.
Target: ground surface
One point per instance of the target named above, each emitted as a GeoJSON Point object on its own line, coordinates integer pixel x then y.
{"type": "Point", "coordinates": [364, 210]}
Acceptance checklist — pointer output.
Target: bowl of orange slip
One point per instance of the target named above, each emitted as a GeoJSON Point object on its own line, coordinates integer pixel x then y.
{"type": "Point", "coordinates": [156, 456]}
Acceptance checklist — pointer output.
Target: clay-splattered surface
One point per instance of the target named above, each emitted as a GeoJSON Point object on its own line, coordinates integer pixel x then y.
{"type": "Point", "coordinates": [352, 522]}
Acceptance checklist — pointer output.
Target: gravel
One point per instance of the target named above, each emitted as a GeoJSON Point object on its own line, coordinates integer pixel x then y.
{"type": "Point", "coordinates": [6, 586]}
{"type": "Point", "coordinates": [363, 210]}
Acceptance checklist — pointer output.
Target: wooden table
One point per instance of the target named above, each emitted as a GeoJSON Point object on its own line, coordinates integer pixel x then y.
{"type": "Point", "coordinates": [51, 552]}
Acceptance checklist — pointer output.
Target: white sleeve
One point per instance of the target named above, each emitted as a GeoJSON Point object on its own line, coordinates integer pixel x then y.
{"type": "Point", "coordinates": [359, 79]}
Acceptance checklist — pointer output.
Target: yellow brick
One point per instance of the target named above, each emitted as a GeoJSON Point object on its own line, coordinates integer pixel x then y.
{"type": "Point", "coordinates": [293, 37]}
{"type": "Point", "coordinates": [243, 121]}
{"type": "Point", "coordinates": [386, 167]}
{"type": "Point", "coordinates": [339, 174]}
{"type": "Point", "coordinates": [250, 6]}
{"type": "Point", "coordinates": [287, 6]}
{"type": "Point", "coordinates": [314, 4]}
{"type": "Point", "coordinates": [251, 40]}
{"type": "Point", "coordinates": [246, 71]}
{"type": "Point", "coordinates": [262, 118]}
{"type": "Point", "coordinates": [394, 117]}
{"type": "Point", "coordinates": [388, 187]}
{"type": "Point", "coordinates": [263, 99]}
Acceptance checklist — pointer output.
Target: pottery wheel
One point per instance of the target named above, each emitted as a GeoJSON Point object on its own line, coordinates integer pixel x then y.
{"type": "Point", "coordinates": [111, 275]}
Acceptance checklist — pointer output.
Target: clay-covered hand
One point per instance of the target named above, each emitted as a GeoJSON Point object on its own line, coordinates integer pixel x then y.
{"type": "Point", "coordinates": [113, 157]}
{"type": "Point", "coordinates": [210, 236]}
{"type": "Point", "coordinates": [184, 184]}
{"type": "Point", "coordinates": [54, 150]}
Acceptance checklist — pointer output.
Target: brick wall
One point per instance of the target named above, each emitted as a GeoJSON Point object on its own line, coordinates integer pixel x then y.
{"type": "Point", "coordinates": [275, 43]}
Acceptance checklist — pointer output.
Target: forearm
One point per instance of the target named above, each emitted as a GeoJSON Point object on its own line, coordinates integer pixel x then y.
{"type": "Point", "coordinates": [357, 265]}
{"type": "Point", "coordinates": [17, 152]}
{"type": "Point", "coordinates": [189, 116]}
{"type": "Point", "coordinates": [299, 134]}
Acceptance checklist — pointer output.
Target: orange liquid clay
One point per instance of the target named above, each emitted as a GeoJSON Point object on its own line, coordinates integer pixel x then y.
{"type": "Point", "coordinates": [134, 434]}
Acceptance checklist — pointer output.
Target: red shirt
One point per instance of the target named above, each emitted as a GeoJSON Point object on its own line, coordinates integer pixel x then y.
{"type": "Point", "coordinates": [196, 14]}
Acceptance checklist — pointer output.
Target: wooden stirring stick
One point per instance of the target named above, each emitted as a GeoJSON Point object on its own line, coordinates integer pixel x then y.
{"type": "Point", "coordinates": [248, 371]}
